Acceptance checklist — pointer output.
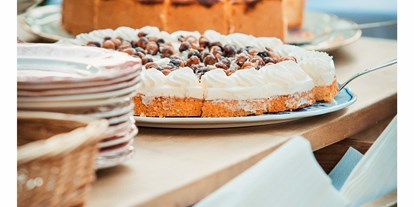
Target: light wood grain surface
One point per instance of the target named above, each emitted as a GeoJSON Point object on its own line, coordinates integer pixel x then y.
{"type": "Point", "coordinates": [174, 167]}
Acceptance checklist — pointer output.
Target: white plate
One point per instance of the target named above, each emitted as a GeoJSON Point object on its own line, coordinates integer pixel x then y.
{"type": "Point", "coordinates": [119, 128]}
{"type": "Point", "coordinates": [119, 140]}
{"type": "Point", "coordinates": [316, 23]}
{"type": "Point", "coordinates": [46, 22]}
{"type": "Point", "coordinates": [122, 118]}
{"type": "Point", "coordinates": [42, 67]}
{"type": "Point", "coordinates": [77, 91]}
{"type": "Point", "coordinates": [74, 104]}
{"type": "Point", "coordinates": [79, 97]}
{"type": "Point", "coordinates": [344, 99]}
{"type": "Point", "coordinates": [107, 161]}
{"type": "Point", "coordinates": [114, 150]}
{"type": "Point", "coordinates": [48, 86]}
{"type": "Point", "coordinates": [112, 111]}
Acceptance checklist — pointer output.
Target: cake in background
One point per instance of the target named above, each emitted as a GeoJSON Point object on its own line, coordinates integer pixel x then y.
{"type": "Point", "coordinates": [255, 17]}
{"type": "Point", "coordinates": [294, 12]}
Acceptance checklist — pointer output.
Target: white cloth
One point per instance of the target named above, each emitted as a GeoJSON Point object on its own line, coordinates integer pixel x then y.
{"type": "Point", "coordinates": [290, 176]}
{"type": "Point", "coordinates": [376, 173]}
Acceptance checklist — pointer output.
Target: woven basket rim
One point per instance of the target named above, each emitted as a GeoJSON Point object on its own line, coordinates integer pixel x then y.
{"type": "Point", "coordinates": [64, 142]}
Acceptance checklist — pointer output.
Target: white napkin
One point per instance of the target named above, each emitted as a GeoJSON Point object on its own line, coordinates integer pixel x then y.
{"type": "Point", "coordinates": [290, 176]}
{"type": "Point", "coordinates": [376, 173]}
{"type": "Point", "coordinates": [344, 167]}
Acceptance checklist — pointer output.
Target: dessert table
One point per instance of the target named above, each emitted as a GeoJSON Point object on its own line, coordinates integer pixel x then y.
{"type": "Point", "coordinates": [179, 167]}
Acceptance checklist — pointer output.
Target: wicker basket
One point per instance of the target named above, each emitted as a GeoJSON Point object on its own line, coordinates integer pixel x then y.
{"type": "Point", "coordinates": [56, 157]}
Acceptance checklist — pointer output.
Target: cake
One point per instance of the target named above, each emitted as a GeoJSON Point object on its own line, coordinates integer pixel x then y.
{"type": "Point", "coordinates": [178, 93]}
{"type": "Point", "coordinates": [189, 74]}
{"type": "Point", "coordinates": [320, 66]}
{"type": "Point", "coordinates": [294, 13]}
{"type": "Point", "coordinates": [256, 17]}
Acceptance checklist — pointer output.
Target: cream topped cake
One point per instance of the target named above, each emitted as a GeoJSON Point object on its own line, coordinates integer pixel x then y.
{"type": "Point", "coordinates": [240, 94]}
{"type": "Point", "coordinates": [177, 94]}
{"type": "Point", "coordinates": [291, 88]}
{"type": "Point", "coordinates": [209, 74]}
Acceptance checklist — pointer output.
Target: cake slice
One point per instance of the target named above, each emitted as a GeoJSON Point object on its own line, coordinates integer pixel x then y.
{"type": "Point", "coordinates": [320, 67]}
{"type": "Point", "coordinates": [289, 86]}
{"type": "Point", "coordinates": [199, 15]}
{"type": "Point", "coordinates": [240, 94]}
{"type": "Point", "coordinates": [176, 94]}
{"type": "Point", "coordinates": [253, 17]}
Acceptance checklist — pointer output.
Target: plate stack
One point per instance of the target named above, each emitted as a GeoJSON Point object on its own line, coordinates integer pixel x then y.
{"type": "Point", "coordinates": [83, 80]}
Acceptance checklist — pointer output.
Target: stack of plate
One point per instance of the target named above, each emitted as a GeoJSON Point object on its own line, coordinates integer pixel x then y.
{"type": "Point", "coordinates": [83, 80]}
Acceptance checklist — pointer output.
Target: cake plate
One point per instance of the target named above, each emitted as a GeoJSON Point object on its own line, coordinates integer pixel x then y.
{"type": "Point", "coordinates": [343, 99]}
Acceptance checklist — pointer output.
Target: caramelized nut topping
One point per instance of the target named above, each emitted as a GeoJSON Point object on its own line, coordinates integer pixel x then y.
{"type": "Point", "coordinates": [263, 54]}
{"type": "Point", "coordinates": [286, 58]}
{"type": "Point", "coordinates": [93, 44]}
{"type": "Point", "coordinates": [269, 60]}
{"type": "Point", "coordinates": [166, 71]}
{"type": "Point", "coordinates": [129, 51]}
{"type": "Point", "coordinates": [166, 51]}
{"type": "Point", "coordinates": [152, 48]}
{"type": "Point", "coordinates": [142, 42]}
{"type": "Point", "coordinates": [177, 62]}
{"type": "Point", "coordinates": [108, 44]}
{"type": "Point", "coordinates": [142, 34]}
{"type": "Point", "coordinates": [117, 42]}
{"type": "Point", "coordinates": [151, 65]}
{"type": "Point", "coordinates": [221, 65]}
{"type": "Point", "coordinates": [248, 65]}
{"type": "Point", "coordinates": [216, 50]}
{"type": "Point", "coordinates": [193, 60]}
{"type": "Point", "coordinates": [203, 42]}
{"type": "Point", "coordinates": [229, 50]}
{"type": "Point", "coordinates": [146, 60]}
{"type": "Point", "coordinates": [209, 60]}
{"type": "Point", "coordinates": [241, 59]}
{"type": "Point", "coordinates": [230, 71]}
{"type": "Point", "coordinates": [257, 61]}
{"type": "Point", "coordinates": [184, 46]}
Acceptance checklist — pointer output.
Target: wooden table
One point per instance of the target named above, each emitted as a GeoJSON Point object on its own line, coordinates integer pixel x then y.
{"type": "Point", "coordinates": [180, 167]}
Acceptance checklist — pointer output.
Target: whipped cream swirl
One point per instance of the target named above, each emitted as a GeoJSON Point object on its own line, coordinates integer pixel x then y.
{"type": "Point", "coordinates": [286, 78]}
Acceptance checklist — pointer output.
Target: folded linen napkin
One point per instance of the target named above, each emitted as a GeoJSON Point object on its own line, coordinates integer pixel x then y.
{"type": "Point", "coordinates": [344, 167]}
{"type": "Point", "coordinates": [290, 176]}
{"type": "Point", "coordinates": [376, 173]}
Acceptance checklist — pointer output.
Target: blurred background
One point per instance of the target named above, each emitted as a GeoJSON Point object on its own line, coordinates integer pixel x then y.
{"type": "Point", "coordinates": [359, 11]}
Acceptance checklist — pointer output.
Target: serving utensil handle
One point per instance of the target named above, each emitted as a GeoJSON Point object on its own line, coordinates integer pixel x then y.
{"type": "Point", "coordinates": [389, 63]}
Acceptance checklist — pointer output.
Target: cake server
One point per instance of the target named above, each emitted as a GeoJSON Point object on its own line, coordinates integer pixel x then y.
{"type": "Point", "coordinates": [389, 63]}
